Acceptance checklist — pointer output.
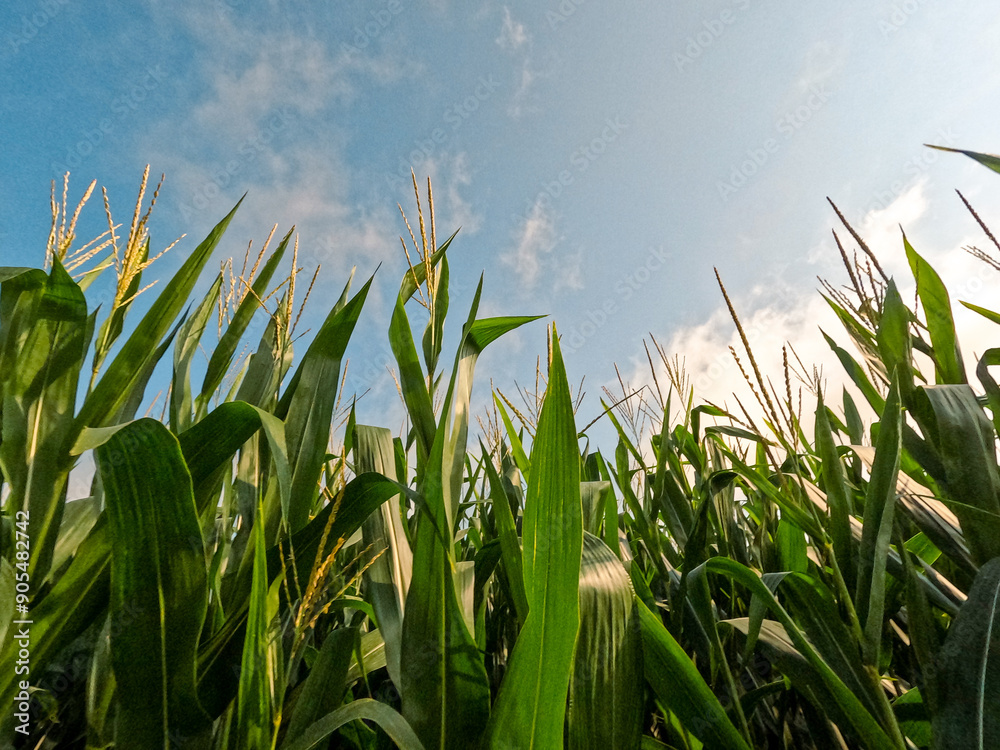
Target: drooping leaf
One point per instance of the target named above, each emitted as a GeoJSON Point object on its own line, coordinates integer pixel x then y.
{"type": "Point", "coordinates": [324, 688]}
{"type": "Point", "coordinates": [363, 708]}
{"type": "Point", "coordinates": [963, 437]}
{"type": "Point", "coordinates": [43, 347]}
{"type": "Point", "coordinates": [158, 584]}
{"type": "Point", "coordinates": [969, 667]}
{"type": "Point", "coordinates": [605, 693]}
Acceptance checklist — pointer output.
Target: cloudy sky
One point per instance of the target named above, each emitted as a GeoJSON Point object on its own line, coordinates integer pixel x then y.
{"type": "Point", "coordinates": [601, 159]}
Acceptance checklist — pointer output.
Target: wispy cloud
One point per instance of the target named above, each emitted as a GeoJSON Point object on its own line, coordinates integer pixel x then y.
{"type": "Point", "coordinates": [515, 40]}
{"type": "Point", "coordinates": [535, 237]}
{"type": "Point", "coordinates": [512, 34]}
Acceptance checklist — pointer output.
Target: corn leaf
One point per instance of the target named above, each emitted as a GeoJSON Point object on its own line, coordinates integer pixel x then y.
{"type": "Point", "coordinates": [158, 584]}
{"type": "Point", "coordinates": [127, 369]}
{"type": "Point", "coordinates": [387, 579]}
{"type": "Point", "coordinates": [254, 716]}
{"type": "Point", "coordinates": [222, 355]}
{"type": "Point", "coordinates": [307, 407]}
{"type": "Point", "coordinates": [188, 339]}
{"type": "Point", "coordinates": [969, 667]}
{"type": "Point", "coordinates": [323, 690]}
{"type": "Point", "coordinates": [963, 438]}
{"type": "Point", "coordinates": [987, 160]}
{"type": "Point", "coordinates": [880, 502]}
{"type": "Point", "coordinates": [531, 706]}
{"type": "Point", "coordinates": [363, 708]}
{"type": "Point", "coordinates": [43, 350]}
{"type": "Point", "coordinates": [680, 687]}
{"type": "Point", "coordinates": [861, 721]}
{"type": "Point", "coordinates": [606, 687]}
{"type": "Point", "coordinates": [940, 324]}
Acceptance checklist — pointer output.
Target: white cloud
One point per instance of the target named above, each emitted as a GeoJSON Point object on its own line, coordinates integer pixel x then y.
{"type": "Point", "coordinates": [569, 274]}
{"type": "Point", "coordinates": [774, 313]}
{"type": "Point", "coordinates": [536, 237]}
{"type": "Point", "coordinates": [452, 209]}
{"type": "Point", "coordinates": [513, 37]}
{"type": "Point", "coordinates": [512, 33]}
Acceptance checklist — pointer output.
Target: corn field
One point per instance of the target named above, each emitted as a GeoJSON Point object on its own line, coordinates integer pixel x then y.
{"type": "Point", "coordinates": [257, 569]}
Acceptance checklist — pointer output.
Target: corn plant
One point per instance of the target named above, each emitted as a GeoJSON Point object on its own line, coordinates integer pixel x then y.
{"type": "Point", "coordinates": [242, 574]}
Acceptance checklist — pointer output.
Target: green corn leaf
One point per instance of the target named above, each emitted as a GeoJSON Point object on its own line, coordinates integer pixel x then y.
{"type": "Point", "coordinates": [914, 722]}
{"type": "Point", "coordinates": [444, 683]}
{"type": "Point", "coordinates": [188, 339]}
{"type": "Point", "coordinates": [791, 547]}
{"type": "Point", "coordinates": [434, 333]}
{"type": "Point", "coordinates": [510, 546]}
{"type": "Point", "coordinates": [158, 584]}
{"type": "Point", "coordinates": [923, 636]}
{"type": "Point", "coordinates": [531, 706]}
{"type": "Point", "coordinates": [991, 357]}
{"type": "Point", "coordinates": [101, 693]}
{"type": "Point", "coordinates": [254, 704]}
{"type": "Point", "coordinates": [309, 403]}
{"type": "Point", "coordinates": [363, 708]}
{"type": "Point", "coordinates": [880, 502]}
{"type": "Point", "coordinates": [416, 394]}
{"type": "Point", "coordinates": [988, 314]}
{"type": "Point", "coordinates": [867, 728]}
{"type": "Point", "coordinates": [680, 687]}
{"type": "Point", "coordinates": [969, 668]}
{"type": "Point", "coordinates": [75, 601]}
{"type": "Point", "coordinates": [222, 355]}
{"type": "Point", "coordinates": [837, 497]}
{"type": "Point", "coordinates": [940, 323]}
{"type": "Point", "coordinates": [857, 375]}
{"type": "Point", "coordinates": [112, 327]}
{"type": "Point", "coordinates": [775, 646]}
{"type": "Point", "coordinates": [119, 381]}
{"type": "Point", "coordinates": [516, 447]}
{"type": "Point", "coordinates": [815, 611]}
{"type": "Point", "coordinates": [606, 687]}
{"type": "Point", "coordinates": [963, 438]}
{"type": "Point", "coordinates": [323, 690]}
{"type": "Point", "coordinates": [893, 338]}
{"type": "Point", "coordinates": [43, 351]}
{"type": "Point", "coordinates": [592, 495]}
{"type": "Point", "coordinates": [386, 580]}
{"type": "Point", "coordinates": [987, 160]}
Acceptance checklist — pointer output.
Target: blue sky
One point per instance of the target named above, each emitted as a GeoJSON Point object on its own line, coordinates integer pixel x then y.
{"type": "Point", "coordinates": [600, 158]}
